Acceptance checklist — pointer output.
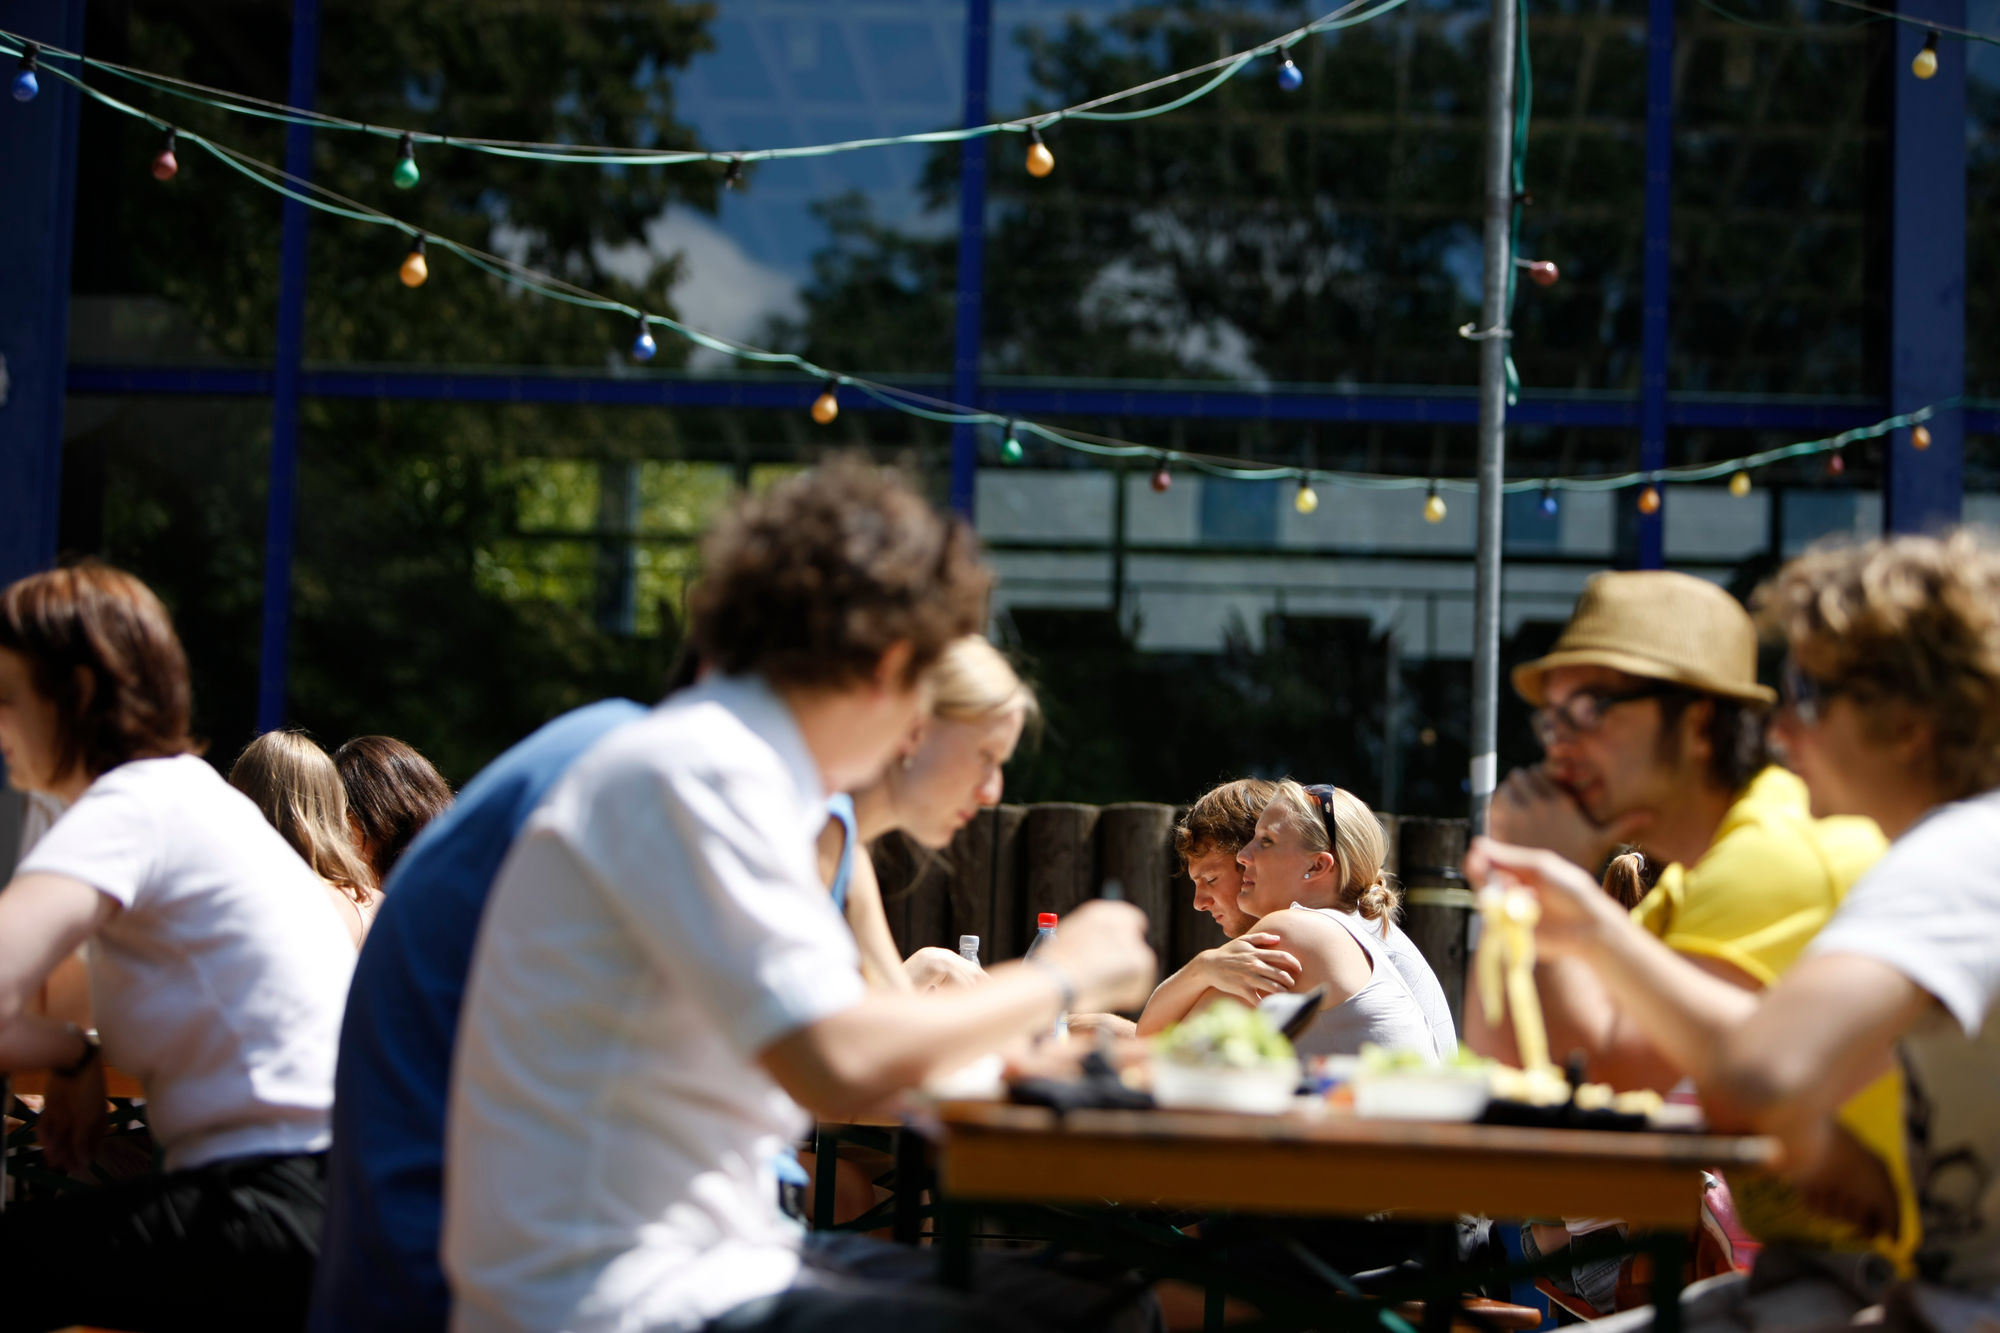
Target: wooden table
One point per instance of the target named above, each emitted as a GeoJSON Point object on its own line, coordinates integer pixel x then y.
{"type": "Point", "coordinates": [1329, 1165]}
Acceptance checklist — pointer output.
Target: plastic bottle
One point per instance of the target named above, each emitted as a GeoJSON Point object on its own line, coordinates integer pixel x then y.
{"type": "Point", "coordinates": [1045, 930]}
{"type": "Point", "coordinates": [968, 948]}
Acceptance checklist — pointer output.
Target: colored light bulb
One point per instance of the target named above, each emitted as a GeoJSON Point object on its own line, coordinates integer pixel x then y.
{"type": "Point", "coordinates": [1163, 480]}
{"type": "Point", "coordinates": [1649, 500]}
{"type": "Point", "coordinates": [1739, 485]}
{"type": "Point", "coordinates": [1925, 64]}
{"type": "Point", "coordinates": [1010, 448]}
{"type": "Point", "coordinates": [416, 269]}
{"type": "Point", "coordinates": [1549, 504]}
{"type": "Point", "coordinates": [1040, 160]}
{"type": "Point", "coordinates": [827, 406]}
{"type": "Point", "coordinates": [1290, 77]}
{"type": "Point", "coordinates": [1836, 463]}
{"type": "Point", "coordinates": [1434, 510]}
{"type": "Point", "coordinates": [26, 84]}
{"type": "Point", "coordinates": [166, 165]}
{"type": "Point", "coordinates": [643, 345]}
{"type": "Point", "coordinates": [1920, 436]}
{"type": "Point", "coordinates": [406, 173]}
{"type": "Point", "coordinates": [732, 175]}
{"type": "Point", "coordinates": [1543, 272]}
{"type": "Point", "coordinates": [1307, 499]}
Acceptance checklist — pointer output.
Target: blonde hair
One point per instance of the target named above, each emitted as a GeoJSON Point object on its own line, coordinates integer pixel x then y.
{"type": "Point", "coordinates": [1914, 620]}
{"type": "Point", "coordinates": [1363, 886]}
{"type": "Point", "coordinates": [294, 782]}
{"type": "Point", "coordinates": [1223, 819]}
{"type": "Point", "coordinates": [974, 680]}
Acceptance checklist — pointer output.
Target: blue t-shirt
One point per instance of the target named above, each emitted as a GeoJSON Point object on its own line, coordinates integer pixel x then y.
{"type": "Point", "coordinates": [841, 807]}
{"type": "Point", "coordinates": [378, 1264]}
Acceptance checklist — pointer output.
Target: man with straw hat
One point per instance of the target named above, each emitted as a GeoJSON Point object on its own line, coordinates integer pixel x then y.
{"type": "Point", "coordinates": [1651, 721]}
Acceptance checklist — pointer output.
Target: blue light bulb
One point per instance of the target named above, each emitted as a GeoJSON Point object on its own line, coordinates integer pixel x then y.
{"type": "Point", "coordinates": [26, 85]}
{"type": "Point", "coordinates": [1290, 76]}
{"type": "Point", "coordinates": [1548, 504]}
{"type": "Point", "coordinates": [643, 346]}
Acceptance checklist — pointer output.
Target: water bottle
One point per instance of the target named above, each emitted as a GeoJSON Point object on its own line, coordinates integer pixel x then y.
{"type": "Point", "coordinates": [1045, 930]}
{"type": "Point", "coordinates": [968, 949]}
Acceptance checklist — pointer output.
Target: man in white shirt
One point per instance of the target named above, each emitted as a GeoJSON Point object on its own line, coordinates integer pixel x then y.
{"type": "Point", "coordinates": [662, 991]}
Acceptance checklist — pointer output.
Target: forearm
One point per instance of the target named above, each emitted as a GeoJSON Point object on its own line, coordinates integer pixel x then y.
{"type": "Point", "coordinates": [888, 1044]}
{"type": "Point", "coordinates": [1682, 1011]}
{"type": "Point", "coordinates": [1173, 999]}
{"type": "Point", "coordinates": [31, 1042]}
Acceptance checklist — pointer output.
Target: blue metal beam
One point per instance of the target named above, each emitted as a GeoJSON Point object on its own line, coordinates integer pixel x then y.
{"type": "Point", "coordinates": [967, 331]}
{"type": "Point", "coordinates": [1442, 406]}
{"type": "Point", "coordinates": [282, 504]}
{"type": "Point", "coordinates": [38, 146]}
{"type": "Point", "coordinates": [1927, 272]}
{"type": "Point", "coordinates": [1654, 347]}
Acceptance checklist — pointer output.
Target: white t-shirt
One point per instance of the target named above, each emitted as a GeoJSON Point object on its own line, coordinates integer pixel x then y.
{"type": "Point", "coordinates": [659, 922]}
{"type": "Point", "coordinates": [1930, 908]}
{"type": "Point", "coordinates": [1423, 983]}
{"type": "Point", "coordinates": [220, 983]}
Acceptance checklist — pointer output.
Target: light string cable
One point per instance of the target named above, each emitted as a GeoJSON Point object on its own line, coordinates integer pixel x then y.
{"type": "Point", "coordinates": [1221, 70]}
{"type": "Point", "coordinates": [925, 407]}
{"type": "Point", "coordinates": [1915, 22]}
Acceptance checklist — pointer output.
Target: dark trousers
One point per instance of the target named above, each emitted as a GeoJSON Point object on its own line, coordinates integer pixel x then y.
{"type": "Point", "coordinates": [854, 1283]}
{"type": "Point", "coordinates": [228, 1246]}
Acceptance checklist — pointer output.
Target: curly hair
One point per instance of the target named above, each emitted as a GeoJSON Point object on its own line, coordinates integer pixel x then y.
{"type": "Point", "coordinates": [1223, 819]}
{"type": "Point", "coordinates": [392, 792]}
{"type": "Point", "coordinates": [809, 583]}
{"type": "Point", "coordinates": [1361, 856]}
{"type": "Point", "coordinates": [102, 648]}
{"type": "Point", "coordinates": [1910, 620]}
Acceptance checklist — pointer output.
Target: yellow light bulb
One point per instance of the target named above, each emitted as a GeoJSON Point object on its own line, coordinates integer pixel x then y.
{"type": "Point", "coordinates": [416, 270]}
{"type": "Point", "coordinates": [1040, 160]}
{"type": "Point", "coordinates": [1434, 508]}
{"type": "Point", "coordinates": [1306, 500]}
{"type": "Point", "coordinates": [826, 407]}
{"type": "Point", "coordinates": [1649, 500]}
{"type": "Point", "coordinates": [1920, 437]}
{"type": "Point", "coordinates": [1925, 65]}
{"type": "Point", "coordinates": [1739, 485]}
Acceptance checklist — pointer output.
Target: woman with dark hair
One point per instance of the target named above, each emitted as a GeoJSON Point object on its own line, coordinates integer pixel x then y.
{"type": "Point", "coordinates": [217, 970]}
{"type": "Point", "coordinates": [392, 792]}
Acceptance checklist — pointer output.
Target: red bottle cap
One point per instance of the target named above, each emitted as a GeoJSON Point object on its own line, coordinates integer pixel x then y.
{"type": "Point", "coordinates": [1046, 921]}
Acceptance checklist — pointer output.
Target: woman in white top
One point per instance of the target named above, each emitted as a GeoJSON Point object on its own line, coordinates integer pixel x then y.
{"type": "Point", "coordinates": [218, 976]}
{"type": "Point", "coordinates": [1312, 877]}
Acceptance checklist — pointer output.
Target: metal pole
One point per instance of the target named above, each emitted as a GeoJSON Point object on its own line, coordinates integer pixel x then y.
{"type": "Point", "coordinates": [966, 329]}
{"type": "Point", "coordinates": [280, 505]}
{"type": "Point", "coordinates": [1658, 271]}
{"type": "Point", "coordinates": [1492, 406]}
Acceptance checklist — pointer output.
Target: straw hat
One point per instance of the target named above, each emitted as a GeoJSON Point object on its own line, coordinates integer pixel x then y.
{"type": "Point", "coordinates": [1660, 625]}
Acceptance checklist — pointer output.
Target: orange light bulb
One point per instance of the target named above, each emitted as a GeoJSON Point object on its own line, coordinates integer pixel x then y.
{"type": "Point", "coordinates": [826, 407]}
{"type": "Point", "coordinates": [1920, 437]}
{"type": "Point", "coordinates": [416, 270]}
{"type": "Point", "coordinates": [1649, 500]}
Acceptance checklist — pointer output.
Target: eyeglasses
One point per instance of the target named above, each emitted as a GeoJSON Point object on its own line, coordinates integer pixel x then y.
{"type": "Point", "coordinates": [1583, 712]}
{"type": "Point", "coordinates": [1806, 695]}
{"type": "Point", "coordinates": [1322, 795]}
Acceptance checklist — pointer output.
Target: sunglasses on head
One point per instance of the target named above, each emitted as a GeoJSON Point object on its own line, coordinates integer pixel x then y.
{"type": "Point", "coordinates": [1322, 798]}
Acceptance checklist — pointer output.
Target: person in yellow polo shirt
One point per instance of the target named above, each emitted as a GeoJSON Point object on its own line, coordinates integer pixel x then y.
{"type": "Point", "coordinates": [1652, 725]}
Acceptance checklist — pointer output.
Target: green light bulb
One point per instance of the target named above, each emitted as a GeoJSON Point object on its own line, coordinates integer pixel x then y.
{"type": "Point", "coordinates": [406, 173]}
{"type": "Point", "coordinates": [1010, 451]}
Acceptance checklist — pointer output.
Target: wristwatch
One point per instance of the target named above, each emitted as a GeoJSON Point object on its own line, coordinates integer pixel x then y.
{"type": "Point", "coordinates": [91, 1051]}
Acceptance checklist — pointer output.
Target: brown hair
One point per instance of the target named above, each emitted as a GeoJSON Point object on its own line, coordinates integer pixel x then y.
{"type": "Point", "coordinates": [809, 583]}
{"type": "Point", "coordinates": [1626, 879]}
{"type": "Point", "coordinates": [1364, 886]}
{"type": "Point", "coordinates": [102, 649]}
{"type": "Point", "coordinates": [1912, 620]}
{"type": "Point", "coordinates": [1223, 819]}
{"type": "Point", "coordinates": [297, 787]}
{"type": "Point", "coordinates": [392, 792]}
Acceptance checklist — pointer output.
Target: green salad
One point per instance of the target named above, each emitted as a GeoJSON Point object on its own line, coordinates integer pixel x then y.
{"type": "Point", "coordinates": [1225, 1036]}
{"type": "Point", "coordinates": [1380, 1060]}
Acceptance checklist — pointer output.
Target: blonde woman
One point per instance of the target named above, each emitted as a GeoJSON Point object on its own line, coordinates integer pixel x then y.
{"type": "Point", "coordinates": [294, 782]}
{"type": "Point", "coordinates": [944, 775]}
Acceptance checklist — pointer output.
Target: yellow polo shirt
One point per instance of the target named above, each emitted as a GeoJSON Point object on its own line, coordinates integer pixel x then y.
{"type": "Point", "coordinates": [1768, 883]}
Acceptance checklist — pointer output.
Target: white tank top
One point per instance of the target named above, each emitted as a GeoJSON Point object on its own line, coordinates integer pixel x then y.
{"type": "Point", "coordinates": [1385, 1011]}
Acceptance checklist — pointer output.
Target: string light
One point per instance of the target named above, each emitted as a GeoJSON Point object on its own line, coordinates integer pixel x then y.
{"type": "Point", "coordinates": [1649, 500]}
{"type": "Point", "coordinates": [1920, 437]}
{"type": "Point", "coordinates": [1307, 499]}
{"type": "Point", "coordinates": [1163, 480]}
{"type": "Point", "coordinates": [406, 173]}
{"type": "Point", "coordinates": [416, 270]}
{"type": "Point", "coordinates": [1040, 160]}
{"type": "Point", "coordinates": [732, 175]}
{"type": "Point", "coordinates": [26, 85]}
{"type": "Point", "coordinates": [1541, 272]}
{"type": "Point", "coordinates": [643, 346]}
{"type": "Point", "coordinates": [1010, 448]}
{"type": "Point", "coordinates": [1548, 503]}
{"type": "Point", "coordinates": [827, 406]}
{"type": "Point", "coordinates": [165, 165]}
{"type": "Point", "coordinates": [1289, 75]}
{"type": "Point", "coordinates": [1739, 485]}
{"type": "Point", "coordinates": [1925, 64]}
{"type": "Point", "coordinates": [1836, 463]}
{"type": "Point", "coordinates": [1434, 506]}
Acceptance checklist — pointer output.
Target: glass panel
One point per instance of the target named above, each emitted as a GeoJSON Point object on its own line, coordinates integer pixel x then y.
{"type": "Point", "coordinates": [1982, 203]}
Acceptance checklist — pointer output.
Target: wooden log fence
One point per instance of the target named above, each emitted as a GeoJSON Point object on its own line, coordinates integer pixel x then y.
{"type": "Point", "coordinates": [1013, 862]}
